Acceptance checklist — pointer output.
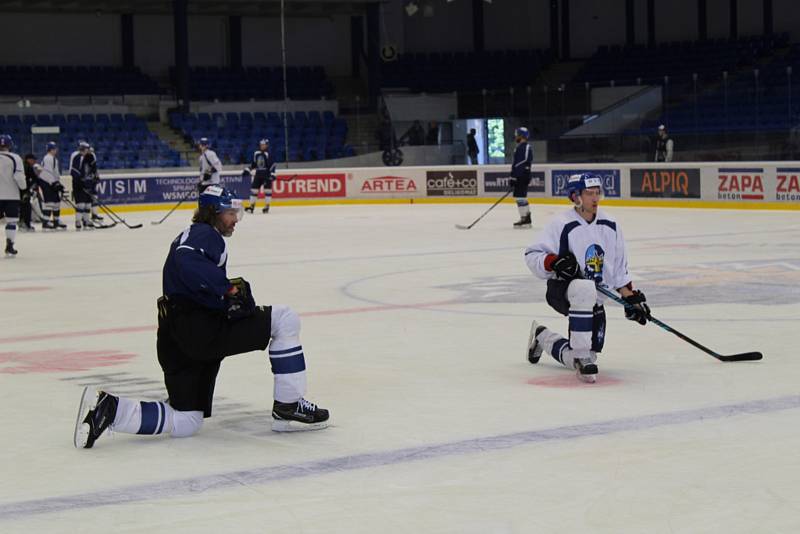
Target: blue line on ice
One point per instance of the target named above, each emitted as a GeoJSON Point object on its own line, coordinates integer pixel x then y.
{"type": "Point", "coordinates": [265, 475]}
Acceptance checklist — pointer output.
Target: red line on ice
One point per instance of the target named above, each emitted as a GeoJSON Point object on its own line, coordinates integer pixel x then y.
{"type": "Point", "coordinates": [24, 289]}
{"type": "Point", "coordinates": [147, 328]}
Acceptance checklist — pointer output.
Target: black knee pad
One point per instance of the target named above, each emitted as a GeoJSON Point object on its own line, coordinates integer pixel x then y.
{"type": "Point", "coordinates": [598, 328]}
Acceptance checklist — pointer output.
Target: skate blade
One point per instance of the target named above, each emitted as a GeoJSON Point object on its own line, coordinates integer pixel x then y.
{"type": "Point", "coordinates": [588, 379]}
{"type": "Point", "coordinates": [281, 425]}
{"type": "Point", "coordinates": [534, 347]}
{"type": "Point", "coordinates": [524, 226]}
{"type": "Point", "coordinates": [88, 402]}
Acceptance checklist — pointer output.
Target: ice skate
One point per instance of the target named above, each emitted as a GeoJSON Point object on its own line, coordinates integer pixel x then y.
{"type": "Point", "coordinates": [78, 226]}
{"type": "Point", "coordinates": [89, 225]}
{"type": "Point", "coordinates": [265, 209]}
{"type": "Point", "coordinates": [59, 225]}
{"type": "Point", "coordinates": [96, 413]}
{"type": "Point", "coordinates": [251, 208]}
{"type": "Point", "coordinates": [298, 416]}
{"type": "Point", "coordinates": [534, 347]}
{"type": "Point", "coordinates": [48, 225]}
{"type": "Point", "coordinates": [524, 222]}
{"type": "Point", "coordinates": [96, 217]}
{"type": "Point", "coordinates": [25, 227]}
{"type": "Point", "coordinates": [11, 252]}
{"type": "Point", "coordinates": [585, 370]}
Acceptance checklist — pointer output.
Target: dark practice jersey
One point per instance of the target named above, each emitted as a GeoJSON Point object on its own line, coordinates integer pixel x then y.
{"type": "Point", "coordinates": [523, 158]}
{"type": "Point", "coordinates": [263, 163]}
{"type": "Point", "coordinates": [83, 169]}
{"type": "Point", "coordinates": [195, 267]}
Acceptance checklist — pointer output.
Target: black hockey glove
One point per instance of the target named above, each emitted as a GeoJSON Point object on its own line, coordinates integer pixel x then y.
{"type": "Point", "coordinates": [58, 187]}
{"type": "Point", "coordinates": [566, 267]}
{"type": "Point", "coordinates": [241, 304]}
{"type": "Point", "coordinates": [637, 310]}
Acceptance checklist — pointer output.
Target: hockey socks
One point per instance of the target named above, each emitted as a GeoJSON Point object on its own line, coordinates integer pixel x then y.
{"type": "Point", "coordinates": [152, 418]}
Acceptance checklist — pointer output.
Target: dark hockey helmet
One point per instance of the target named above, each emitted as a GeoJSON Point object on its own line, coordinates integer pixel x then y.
{"type": "Point", "coordinates": [522, 132]}
{"type": "Point", "coordinates": [6, 141]}
{"type": "Point", "coordinates": [84, 145]}
{"type": "Point", "coordinates": [51, 146]}
{"type": "Point", "coordinates": [585, 180]}
{"type": "Point", "coordinates": [203, 141]}
{"type": "Point", "coordinates": [220, 199]}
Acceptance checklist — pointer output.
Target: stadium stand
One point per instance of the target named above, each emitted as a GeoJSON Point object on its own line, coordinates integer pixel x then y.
{"type": "Point", "coordinates": [312, 136]}
{"type": "Point", "coordinates": [74, 80]}
{"type": "Point", "coordinates": [266, 83]}
{"type": "Point", "coordinates": [120, 141]}
{"type": "Point", "coordinates": [628, 65]}
{"type": "Point", "coordinates": [465, 71]}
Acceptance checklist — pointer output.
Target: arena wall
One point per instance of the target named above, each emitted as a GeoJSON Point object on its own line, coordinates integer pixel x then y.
{"type": "Point", "coordinates": [727, 185]}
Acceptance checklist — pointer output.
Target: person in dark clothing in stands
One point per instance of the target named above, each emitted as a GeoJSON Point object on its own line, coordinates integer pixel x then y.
{"type": "Point", "coordinates": [664, 145]}
{"type": "Point", "coordinates": [433, 134]}
{"type": "Point", "coordinates": [472, 147]}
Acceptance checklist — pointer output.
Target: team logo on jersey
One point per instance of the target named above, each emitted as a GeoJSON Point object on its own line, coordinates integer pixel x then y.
{"type": "Point", "coordinates": [594, 257]}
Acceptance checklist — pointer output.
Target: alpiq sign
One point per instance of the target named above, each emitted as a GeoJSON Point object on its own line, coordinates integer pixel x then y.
{"type": "Point", "coordinates": [665, 183]}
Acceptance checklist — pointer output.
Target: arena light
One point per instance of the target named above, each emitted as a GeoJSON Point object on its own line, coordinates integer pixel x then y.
{"type": "Point", "coordinates": [411, 8]}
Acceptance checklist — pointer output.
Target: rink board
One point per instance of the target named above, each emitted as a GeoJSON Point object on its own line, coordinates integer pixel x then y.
{"type": "Point", "coordinates": [725, 185]}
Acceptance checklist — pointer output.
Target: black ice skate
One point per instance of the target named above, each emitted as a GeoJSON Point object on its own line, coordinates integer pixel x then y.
{"type": "Point", "coordinates": [89, 225]}
{"type": "Point", "coordinates": [10, 250]}
{"type": "Point", "coordinates": [59, 225]}
{"type": "Point", "coordinates": [25, 227]}
{"type": "Point", "coordinates": [96, 412]}
{"type": "Point", "coordinates": [265, 209]}
{"type": "Point", "coordinates": [251, 208]}
{"type": "Point", "coordinates": [96, 217]}
{"type": "Point", "coordinates": [585, 370]}
{"type": "Point", "coordinates": [534, 347]}
{"type": "Point", "coordinates": [298, 416]}
{"type": "Point", "coordinates": [524, 222]}
{"type": "Point", "coordinates": [48, 225]}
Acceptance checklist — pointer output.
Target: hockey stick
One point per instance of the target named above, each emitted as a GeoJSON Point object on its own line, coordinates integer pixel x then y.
{"type": "Point", "coordinates": [499, 200]}
{"type": "Point", "coordinates": [69, 203]}
{"type": "Point", "coordinates": [176, 206]}
{"type": "Point", "coordinates": [742, 357]}
{"type": "Point", "coordinates": [114, 217]}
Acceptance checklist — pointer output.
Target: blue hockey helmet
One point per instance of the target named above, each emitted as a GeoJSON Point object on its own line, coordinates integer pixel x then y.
{"type": "Point", "coordinates": [220, 199]}
{"type": "Point", "coordinates": [522, 132]}
{"type": "Point", "coordinates": [6, 141]}
{"type": "Point", "coordinates": [203, 141]}
{"type": "Point", "coordinates": [264, 141]}
{"type": "Point", "coordinates": [585, 180]}
{"type": "Point", "coordinates": [51, 145]}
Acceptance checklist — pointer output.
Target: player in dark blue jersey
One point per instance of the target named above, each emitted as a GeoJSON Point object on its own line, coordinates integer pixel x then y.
{"type": "Point", "coordinates": [521, 176]}
{"type": "Point", "coordinates": [203, 317]}
{"type": "Point", "coordinates": [83, 168]}
{"type": "Point", "coordinates": [264, 167]}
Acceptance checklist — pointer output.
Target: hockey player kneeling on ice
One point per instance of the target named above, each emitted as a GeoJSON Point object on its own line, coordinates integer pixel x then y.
{"type": "Point", "coordinates": [578, 249]}
{"type": "Point", "coordinates": [204, 317]}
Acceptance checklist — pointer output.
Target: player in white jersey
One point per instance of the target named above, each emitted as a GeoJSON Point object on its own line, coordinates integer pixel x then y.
{"type": "Point", "coordinates": [580, 248]}
{"type": "Point", "coordinates": [49, 175]}
{"type": "Point", "coordinates": [12, 181]}
{"type": "Point", "coordinates": [210, 165]}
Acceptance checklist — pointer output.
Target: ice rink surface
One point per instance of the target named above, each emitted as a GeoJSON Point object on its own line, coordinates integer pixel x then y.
{"type": "Point", "coordinates": [415, 334]}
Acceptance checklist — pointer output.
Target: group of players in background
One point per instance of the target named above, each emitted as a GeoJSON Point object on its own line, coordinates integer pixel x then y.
{"type": "Point", "coordinates": [31, 191]}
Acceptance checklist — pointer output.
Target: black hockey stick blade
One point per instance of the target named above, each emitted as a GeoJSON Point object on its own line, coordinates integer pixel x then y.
{"type": "Point", "coordinates": [743, 357]}
{"type": "Point", "coordinates": [463, 227]}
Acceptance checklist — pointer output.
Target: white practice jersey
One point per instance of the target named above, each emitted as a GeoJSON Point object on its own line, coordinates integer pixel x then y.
{"type": "Point", "coordinates": [50, 170]}
{"type": "Point", "coordinates": [598, 246]}
{"type": "Point", "coordinates": [12, 176]}
{"type": "Point", "coordinates": [209, 165]}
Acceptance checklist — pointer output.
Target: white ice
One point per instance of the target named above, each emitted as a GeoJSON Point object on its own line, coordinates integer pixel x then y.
{"type": "Point", "coordinates": [415, 335]}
